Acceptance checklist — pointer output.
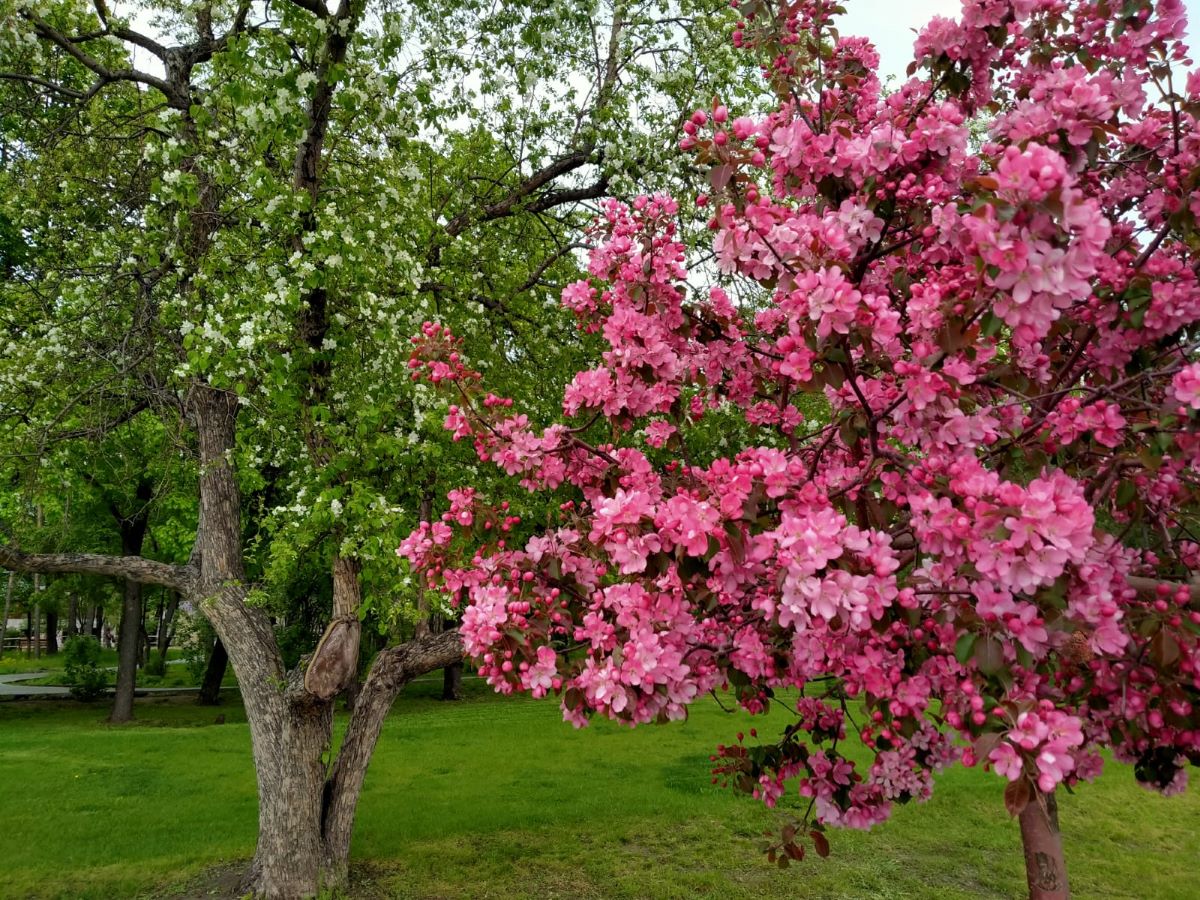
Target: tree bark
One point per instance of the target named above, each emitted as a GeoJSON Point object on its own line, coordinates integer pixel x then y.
{"type": "Point", "coordinates": [129, 634]}
{"type": "Point", "coordinates": [1045, 866]}
{"type": "Point", "coordinates": [305, 818]}
{"type": "Point", "coordinates": [214, 674]}
{"type": "Point", "coordinates": [288, 735]}
{"type": "Point", "coordinates": [452, 681]}
{"type": "Point", "coordinates": [37, 612]}
{"type": "Point", "coordinates": [165, 633]}
{"type": "Point", "coordinates": [127, 647]}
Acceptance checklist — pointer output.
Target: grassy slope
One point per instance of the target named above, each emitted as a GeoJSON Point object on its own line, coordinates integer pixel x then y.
{"type": "Point", "coordinates": [498, 798]}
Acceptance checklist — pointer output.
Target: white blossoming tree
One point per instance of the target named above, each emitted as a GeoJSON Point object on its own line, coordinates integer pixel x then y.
{"type": "Point", "coordinates": [227, 217]}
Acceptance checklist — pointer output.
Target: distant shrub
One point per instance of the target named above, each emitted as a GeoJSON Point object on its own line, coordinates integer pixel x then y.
{"type": "Point", "coordinates": [156, 664]}
{"type": "Point", "coordinates": [85, 679]}
{"type": "Point", "coordinates": [195, 636]}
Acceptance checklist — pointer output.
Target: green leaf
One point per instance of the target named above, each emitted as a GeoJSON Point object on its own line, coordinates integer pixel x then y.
{"type": "Point", "coordinates": [964, 647]}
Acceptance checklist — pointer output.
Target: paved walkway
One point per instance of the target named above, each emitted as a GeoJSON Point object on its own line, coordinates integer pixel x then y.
{"type": "Point", "coordinates": [11, 687]}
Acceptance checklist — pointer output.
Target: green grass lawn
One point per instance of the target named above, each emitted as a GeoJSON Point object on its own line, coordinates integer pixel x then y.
{"type": "Point", "coordinates": [53, 665]}
{"type": "Point", "coordinates": [12, 662]}
{"type": "Point", "coordinates": [498, 798]}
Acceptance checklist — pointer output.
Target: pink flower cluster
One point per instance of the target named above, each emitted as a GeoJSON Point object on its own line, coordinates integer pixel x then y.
{"type": "Point", "coordinates": [1044, 739]}
{"type": "Point", "coordinates": [968, 472]}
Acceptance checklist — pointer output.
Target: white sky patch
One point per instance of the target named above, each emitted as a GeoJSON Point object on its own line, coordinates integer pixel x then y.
{"type": "Point", "coordinates": [892, 26]}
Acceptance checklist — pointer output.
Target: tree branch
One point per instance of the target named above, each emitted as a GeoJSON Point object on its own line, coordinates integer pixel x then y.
{"type": "Point", "coordinates": [1148, 587]}
{"type": "Point", "coordinates": [316, 7]}
{"type": "Point", "coordinates": [41, 82]}
{"type": "Point", "coordinates": [133, 568]}
{"type": "Point", "coordinates": [49, 33]}
{"type": "Point", "coordinates": [573, 195]}
{"type": "Point", "coordinates": [508, 206]}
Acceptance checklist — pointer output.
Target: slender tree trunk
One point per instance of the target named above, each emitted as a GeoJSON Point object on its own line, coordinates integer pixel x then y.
{"type": "Point", "coordinates": [214, 674]}
{"type": "Point", "coordinates": [1045, 866]}
{"type": "Point", "coordinates": [127, 641]}
{"type": "Point", "coordinates": [143, 644]}
{"type": "Point", "coordinates": [452, 682]}
{"type": "Point", "coordinates": [51, 632]}
{"type": "Point", "coordinates": [37, 594]}
{"type": "Point", "coordinates": [129, 636]}
{"type": "Point", "coordinates": [37, 609]}
{"type": "Point", "coordinates": [8, 592]}
{"type": "Point", "coordinates": [165, 632]}
{"type": "Point", "coordinates": [72, 616]}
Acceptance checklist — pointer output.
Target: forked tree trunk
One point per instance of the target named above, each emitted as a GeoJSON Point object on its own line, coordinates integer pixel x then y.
{"type": "Point", "coordinates": [305, 817]}
{"type": "Point", "coordinates": [392, 670]}
{"type": "Point", "coordinates": [1045, 866]}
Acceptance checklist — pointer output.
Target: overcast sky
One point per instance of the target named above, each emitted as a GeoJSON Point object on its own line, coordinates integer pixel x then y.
{"type": "Point", "coordinates": [890, 24]}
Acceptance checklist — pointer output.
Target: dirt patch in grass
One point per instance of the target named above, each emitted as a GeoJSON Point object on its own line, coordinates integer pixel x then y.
{"type": "Point", "coordinates": [367, 882]}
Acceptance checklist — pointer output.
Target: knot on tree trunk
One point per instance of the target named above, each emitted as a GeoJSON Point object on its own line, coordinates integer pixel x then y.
{"type": "Point", "coordinates": [335, 661]}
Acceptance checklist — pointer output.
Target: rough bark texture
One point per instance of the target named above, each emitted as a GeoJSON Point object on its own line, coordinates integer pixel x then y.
{"type": "Point", "coordinates": [305, 818]}
{"type": "Point", "coordinates": [146, 571]}
{"type": "Point", "coordinates": [334, 663]}
{"type": "Point", "coordinates": [1045, 867]}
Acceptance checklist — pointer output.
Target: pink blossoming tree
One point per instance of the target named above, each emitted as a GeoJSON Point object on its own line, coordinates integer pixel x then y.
{"type": "Point", "coordinates": [981, 552]}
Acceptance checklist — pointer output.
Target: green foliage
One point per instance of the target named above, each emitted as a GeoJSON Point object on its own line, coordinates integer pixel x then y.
{"type": "Point", "coordinates": [85, 678]}
{"type": "Point", "coordinates": [155, 664]}
{"type": "Point", "coordinates": [161, 248]}
{"type": "Point", "coordinates": [194, 637]}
